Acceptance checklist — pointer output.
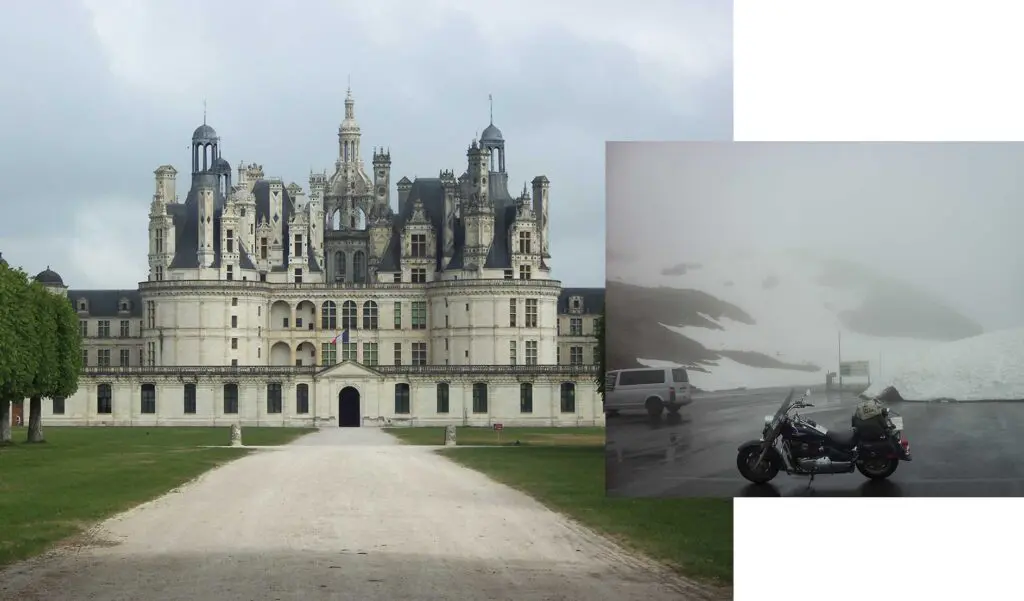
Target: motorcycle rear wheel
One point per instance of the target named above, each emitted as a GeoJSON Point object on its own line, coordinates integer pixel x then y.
{"type": "Point", "coordinates": [878, 469]}
{"type": "Point", "coordinates": [758, 474]}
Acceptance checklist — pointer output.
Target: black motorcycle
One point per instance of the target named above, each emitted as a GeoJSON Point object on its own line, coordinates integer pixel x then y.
{"type": "Point", "coordinates": [800, 446]}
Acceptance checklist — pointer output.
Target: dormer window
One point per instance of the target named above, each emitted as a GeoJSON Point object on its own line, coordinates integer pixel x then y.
{"type": "Point", "coordinates": [82, 305]}
{"type": "Point", "coordinates": [576, 304]}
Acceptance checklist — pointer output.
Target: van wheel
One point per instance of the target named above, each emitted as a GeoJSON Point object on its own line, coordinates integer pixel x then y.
{"type": "Point", "coordinates": [654, 407]}
{"type": "Point", "coordinates": [612, 413]}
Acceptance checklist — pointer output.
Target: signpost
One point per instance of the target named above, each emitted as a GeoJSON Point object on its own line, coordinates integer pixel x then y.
{"type": "Point", "coordinates": [855, 369]}
{"type": "Point", "coordinates": [498, 428]}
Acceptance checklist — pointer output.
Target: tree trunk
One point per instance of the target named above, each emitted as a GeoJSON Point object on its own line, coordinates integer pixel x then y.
{"type": "Point", "coordinates": [35, 420]}
{"type": "Point", "coordinates": [5, 421]}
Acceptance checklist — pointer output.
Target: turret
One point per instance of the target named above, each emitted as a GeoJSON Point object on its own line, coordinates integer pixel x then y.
{"type": "Point", "coordinates": [382, 177]}
{"type": "Point", "coordinates": [541, 186]}
{"type": "Point", "coordinates": [166, 177]}
{"type": "Point", "coordinates": [477, 211]}
{"type": "Point", "coordinates": [206, 200]}
{"type": "Point", "coordinates": [451, 189]}
{"type": "Point", "coordinates": [404, 187]}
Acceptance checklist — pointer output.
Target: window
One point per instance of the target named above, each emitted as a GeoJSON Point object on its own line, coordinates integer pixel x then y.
{"type": "Point", "coordinates": [151, 351]}
{"type": "Point", "coordinates": [531, 352]}
{"type": "Point", "coordinates": [512, 312]}
{"type": "Point", "coordinates": [302, 399]}
{"type": "Point", "coordinates": [575, 326]}
{"type": "Point", "coordinates": [234, 301]}
{"type": "Point", "coordinates": [359, 267]}
{"type": "Point", "coordinates": [104, 399]}
{"type": "Point", "coordinates": [531, 313]}
{"type": "Point", "coordinates": [231, 398]}
{"type": "Point", "coordinates": [263, 276]}
{"type": "Point", "coordinates": [398, 315]}
{"type": "Point", "coordinates": [58, 405]}
{"type": "Point", "coordinates": [597, 326]}
{"type": "Point", "coordinates": [148, 400]}
{"type": "Point", "coordinates": [526, 397]}
{"type": "Point", "coordinates": [190, 398]}
{"type": "Point", "coordinates": [231, 273]}
{"type": "Point", "coordinates": [85, 357]}
{"type": "Point", "coordinates": [349, 315]}
{"type": "Point", "coordinates": [83, 327]}
{"type": "Point", "coordinates": [151, 314]}
{"type": "Point", "coordinates": [328, 316]}
{"type": "Point", "coordinates": [512, 354]}
{"type": "Point", "coordinates": [328, 354]}
{"type": "Point", "coordinates": [524, 272]}
{"type": "Point", "coordinates": [234, 321]}
{"type": "Point", "coordinates": [679, 375]}
{"type": "Point", "coordinates": [298, 245]}
{"type": "Point", "coordinates": [339, 266]}
{"type": "Point", "coordinates": [419, 353]}
{"type": "Point", "coordinates": [273, 397]}
{"type": "Point", "coordinates": [103, 357]}
{"type": "Point", "coordinates": [369, 315]}
{"type": "Point", "coordinates": [597, 355]}
{"type": "Point", "coordinates": [419, 315]}
{"type": "Point", "coordinates": [298, 275]}
{"type": "Point", "coordinates": [398, 353]}
{"type": "Point", "coordinates": [575, 355]}
{"type": "Point", "coordinates": [419, 275]}
{"type": "Point", "coordinates": [641, 376]}
{"type": "Point", "coordinates": [397, 278]}
{"type": "Point", "coordinates": [402, 399]}
{"type": "Point", "coordinates": [509, 274]}
{"type": "Point", "coordinates": [159, 273]}
{"type": "Point", "coordinates": [442, 397]}
{"type": "Point", "coordinates": [480, 397]}
{"type": "Point", "coordinates": [158, 240]}
{"type": "Point", "coordinates": [370, 353]}
{"type": "Point", "coordinates": [230, 240]}
{"type": "Point", "coordinates": [126, 328]}
{"type": "Point", "coordinates": [524, 244]}
{"type": "Point", "coordinates": [103, 328]}
{"type": "Point", "coordinates": [558, 355]}
{"type": "Point", "coordinates": [558, 326]}
{"type": "Point", "coordinates": [263, 248]}
{"type": "Point", "coordinates": [349, 351]}
{"type": "Point", "coordinates": [125, 357]}
{"type": "Point", "coordinates": [419, 246]}
{"type": "Point", "coordinates": [568, 397]}
{"type": "Point", "coordinates": [234, 344]}
{"type": "Point", "coordinates": [234, 363]}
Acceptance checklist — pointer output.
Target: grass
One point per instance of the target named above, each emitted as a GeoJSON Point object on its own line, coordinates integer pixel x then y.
{"type": "Point", "coordinates": [55, 490]}
{"type": "Point", "coordinates": [564, 469]}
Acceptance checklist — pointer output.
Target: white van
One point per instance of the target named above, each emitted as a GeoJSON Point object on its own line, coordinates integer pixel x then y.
{"type": "Point", "coordinates": [650, 389]}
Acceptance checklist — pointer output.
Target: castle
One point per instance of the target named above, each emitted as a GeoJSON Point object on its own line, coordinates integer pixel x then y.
{"type": "Point", "coordinates": [266, 304]}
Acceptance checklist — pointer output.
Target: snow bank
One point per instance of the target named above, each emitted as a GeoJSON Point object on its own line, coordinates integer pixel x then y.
{"type": "Point", "coordinates": [985, 367]}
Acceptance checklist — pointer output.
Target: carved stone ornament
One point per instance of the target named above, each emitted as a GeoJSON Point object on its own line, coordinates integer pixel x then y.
{"type": "Point", "coordinates": [449, 436]}
{"type": "Point", "coordinates": [236, 435]}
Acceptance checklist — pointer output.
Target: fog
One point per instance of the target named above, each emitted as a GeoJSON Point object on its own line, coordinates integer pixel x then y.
{"type": "Point", "coordinates": [943, 216]}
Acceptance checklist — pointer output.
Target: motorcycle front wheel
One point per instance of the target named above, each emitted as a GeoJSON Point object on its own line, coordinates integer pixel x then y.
{"type": "Point", "coordinates": [878, 469]}
{"type": "Point", "coordinates": [758, 473]}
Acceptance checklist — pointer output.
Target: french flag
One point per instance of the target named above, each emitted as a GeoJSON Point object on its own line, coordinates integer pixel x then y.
{"type": "Point", "coordinates": [342, 336]}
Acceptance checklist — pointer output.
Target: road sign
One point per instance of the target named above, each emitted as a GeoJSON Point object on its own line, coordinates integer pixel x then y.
{"type": "Point", "coordinates": [854, 369]}
{"type": "Point", "coordinates": [499, 427]}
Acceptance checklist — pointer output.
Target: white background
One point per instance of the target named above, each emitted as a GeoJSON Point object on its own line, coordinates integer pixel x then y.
{"type": "Point", "coordinates": [877, 70]}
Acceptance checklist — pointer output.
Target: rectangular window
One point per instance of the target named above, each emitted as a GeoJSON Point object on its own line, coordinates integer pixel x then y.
{"type": "Point", "coordinates": [526, 398]}
{"type": "Point", "coordinates": [442, 397]}
{"type": "Point", "coordinates": [398, 353]}
{"type": "Point", "coordinates": [597, 326]}
{"type": "Point", "coordinates": [558, 355]}
{"type": "Point", "coordinates": [531, 313]}
{"type": "Point", "coordinates": [302, 399]}
{"type": "Point", "coordinates": [419, 353]}
{"type": "Point", "coordinates": [234, 321]}
{"type": "Point", "coordinates": [158, 239]}
{"type": "Point", "coordinates": [231, 273]}
{"type": "Point", "coordinates": [398, 315]}
{"type": "Point", "coordinates": [576, 355]}
{"type": "Point", "coordinates": [103, 328]}
{"type": "Point", "coordinates": [397, 278]}
{"type": "Point", "coordinates": [419, 246]}
{"type": "Point", "coordinates": [151, 353]}
{"type": "Point", "coordinates": [531, 352]}
{"type": "Point", "coordinates": [576, 326]}
{"type": "Point", "coordinates": [58, 405]}
{"type": "Point", "coordinates": [298, 245]}
{"type": "Point", "coordinates": [159, 273]}
{"type": "Point", "coordinates": [370, 353]}
{"type": "Point", "coordinates": [328, 354]}
{"type": "Point", "coordinates": [230, 236]}
{"type": "Point", "coordinates": [273, 397]}
{"type": "Point", "coordinates": [480, 397]}
{"type": "Point", "coordinates": [125, 357]}
{"type": "Point", "coordinates": [524, 272]}
{"type": "Point", "coordinates": [151, 314]}
{"type": "Point", "coordinates": [103, 357]}
{"type": "Point", "coordinates": [234, 301]}
{"type": "Point", "coordinates": [104, 399]}
{"type": "Point", "coordinates": [83, 327]}
{"type": "Point", "coordinates": [230, 399]}
{"type": "Point", "coordinates": [597, 355]}
{"type": "Point", "coordinates": [419, 275]}
{"type": "Point", "coordinates": [524, 244]}
{"type": "Point", "coordinates": [148, 405]}
{"type": "Point", "coordinates": [349, 351]}
{"type": "Point", "coordinates": [402, 399]}
{"type": "Point", "coordinates": [234, 344]}
{"type": "Point", "coordinates": [568, 397]}
{"type": "Point", "coordinates": [298, 276]}
{"type": "Point", "coordinates": [126, 328]}
{"type": "Point", "coordinates": [419, 315]}
{"type": "Point", "coordinates": [512, 312]}
{"type": "Point", "coordinates": [234, 363]}
{"type": "Point", "coordinates": [512, 354]}
{"type": "Point", "coordinates": [509, 274]}
{"type": "Point", "coordinates": [263, 248]}
{"type": "Point", "coordinates": [190, 398]}
{"type": "Point", "coordinates": [85, 357]}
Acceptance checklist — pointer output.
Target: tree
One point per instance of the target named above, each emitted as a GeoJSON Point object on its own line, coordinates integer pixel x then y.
{"type": "Point", "coordinates": [601, 360]}
{"type": "Point", "coordinates": [17, 362]}
{"type": "Point", "coordinates": [45, 375]}
{"type": "Point", "coordinates": [69, 349]}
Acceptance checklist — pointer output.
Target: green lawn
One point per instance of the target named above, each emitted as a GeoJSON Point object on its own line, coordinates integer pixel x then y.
{"type": "Point", "coordinates": [564, 469]}
{"type": "Point", "coordinates": [54, 490]}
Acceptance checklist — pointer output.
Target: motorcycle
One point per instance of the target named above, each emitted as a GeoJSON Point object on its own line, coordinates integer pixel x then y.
{"type": "Point", "coordinates": [799, 446]}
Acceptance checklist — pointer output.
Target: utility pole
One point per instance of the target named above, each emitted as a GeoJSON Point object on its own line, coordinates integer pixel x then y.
{"type": "Point", "coordinates": [839, 350]}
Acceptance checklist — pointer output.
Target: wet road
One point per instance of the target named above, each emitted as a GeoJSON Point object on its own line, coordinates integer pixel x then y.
{"type": "Point", "coordinates": [959, 450]}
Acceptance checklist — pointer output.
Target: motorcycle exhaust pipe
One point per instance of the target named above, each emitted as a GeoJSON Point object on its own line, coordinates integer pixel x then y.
{"type": "Point", "coordinates": [826, 466]}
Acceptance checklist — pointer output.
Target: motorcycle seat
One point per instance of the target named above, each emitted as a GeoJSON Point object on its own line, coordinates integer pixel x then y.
{"type": "Point", "coordinates": [843, 439]}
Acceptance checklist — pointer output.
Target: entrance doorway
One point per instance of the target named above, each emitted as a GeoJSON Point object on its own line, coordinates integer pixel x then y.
{"type": "Point", "coordinates": [348, 408]}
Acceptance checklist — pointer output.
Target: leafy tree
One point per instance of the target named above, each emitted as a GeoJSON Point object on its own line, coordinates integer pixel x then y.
{"type": "Point", "coordinates": [601, 361]}
{"type": "Point", "coordinates": [69, 349]}
{"type": "Point", "coordinates": [17, 361]}
{"type": "Point", "coordinates": [45, 375]}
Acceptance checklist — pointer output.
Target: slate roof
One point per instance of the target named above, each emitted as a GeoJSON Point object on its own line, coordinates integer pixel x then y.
{"type": "Point", "coordinates": [104, 303]}
{"type": "Point", "coordinates": [49, 277]}
{"type": "Point", "coordinates": [593, 299]}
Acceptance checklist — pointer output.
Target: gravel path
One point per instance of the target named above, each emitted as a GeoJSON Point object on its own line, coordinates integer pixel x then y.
{"type": "Point", "coordinates": [343, 514]}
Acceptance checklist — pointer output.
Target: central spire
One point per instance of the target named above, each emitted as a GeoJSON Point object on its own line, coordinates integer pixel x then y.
{"type": "Point", "coordinates": [490, 101]}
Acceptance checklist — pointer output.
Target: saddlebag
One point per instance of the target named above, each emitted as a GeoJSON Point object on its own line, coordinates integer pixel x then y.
{"type": "Point", "coordinates": [870, 419]}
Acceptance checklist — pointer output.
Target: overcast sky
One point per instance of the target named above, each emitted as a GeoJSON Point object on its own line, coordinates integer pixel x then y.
{"type": "Point", "coordinates": [946, 216]}
{"type": "Point", "coordinates": [101, 92]}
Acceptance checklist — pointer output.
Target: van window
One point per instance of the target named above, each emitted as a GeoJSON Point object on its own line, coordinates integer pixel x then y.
{"type": "Point", "coordinates": [679, 375]}
{"type": "Point", "coordinates": [642, 376]}
{"type": "Point", "coordinates": [609, 381]}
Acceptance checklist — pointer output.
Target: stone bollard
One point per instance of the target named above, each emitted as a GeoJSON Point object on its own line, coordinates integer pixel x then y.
{"type": "Point", "coordinates": [236, 435]}
{"type": "Point", "coordinates": [449, 436]}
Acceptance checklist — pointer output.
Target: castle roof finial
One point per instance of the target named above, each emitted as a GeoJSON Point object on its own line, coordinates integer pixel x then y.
{"type": "Point", "coordinates": [490, 101]}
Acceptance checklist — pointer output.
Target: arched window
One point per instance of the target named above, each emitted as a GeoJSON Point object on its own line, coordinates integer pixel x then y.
{"type": "Point", "coordinates": [568, 397]}
{"type": "Point", "coordinates": [359, 267]}
{"type": "Point", "coordinates": [525, 397]}
{"type": "Point", "coordinates": [349, 315]}
{"type": "Point", "coordinates": [302, 399]}
{"type": "Point", "coordinates": [231, 398]}
{"type": "Point", "coordinates": [480, 397]}
{"type": "Point", "coordinates": [402, 399]}
{"type": "Point", "coordinates": [442, 397]}
{"type": "Point", "coordinates": [104, 399]}
{"type": "Point", "coordinates": [339, 265]}
{"type": "Point", "coordinates": [369, 315]}
{"type": "Point", "coordinates": [328, 316]}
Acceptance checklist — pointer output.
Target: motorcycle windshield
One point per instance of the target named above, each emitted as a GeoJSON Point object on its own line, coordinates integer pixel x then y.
{"type": "Point", "coordinates": [786, 404]}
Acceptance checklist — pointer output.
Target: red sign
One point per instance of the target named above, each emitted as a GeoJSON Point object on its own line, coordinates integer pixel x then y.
{"type": "Point", "coordinates": [499, 427]}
